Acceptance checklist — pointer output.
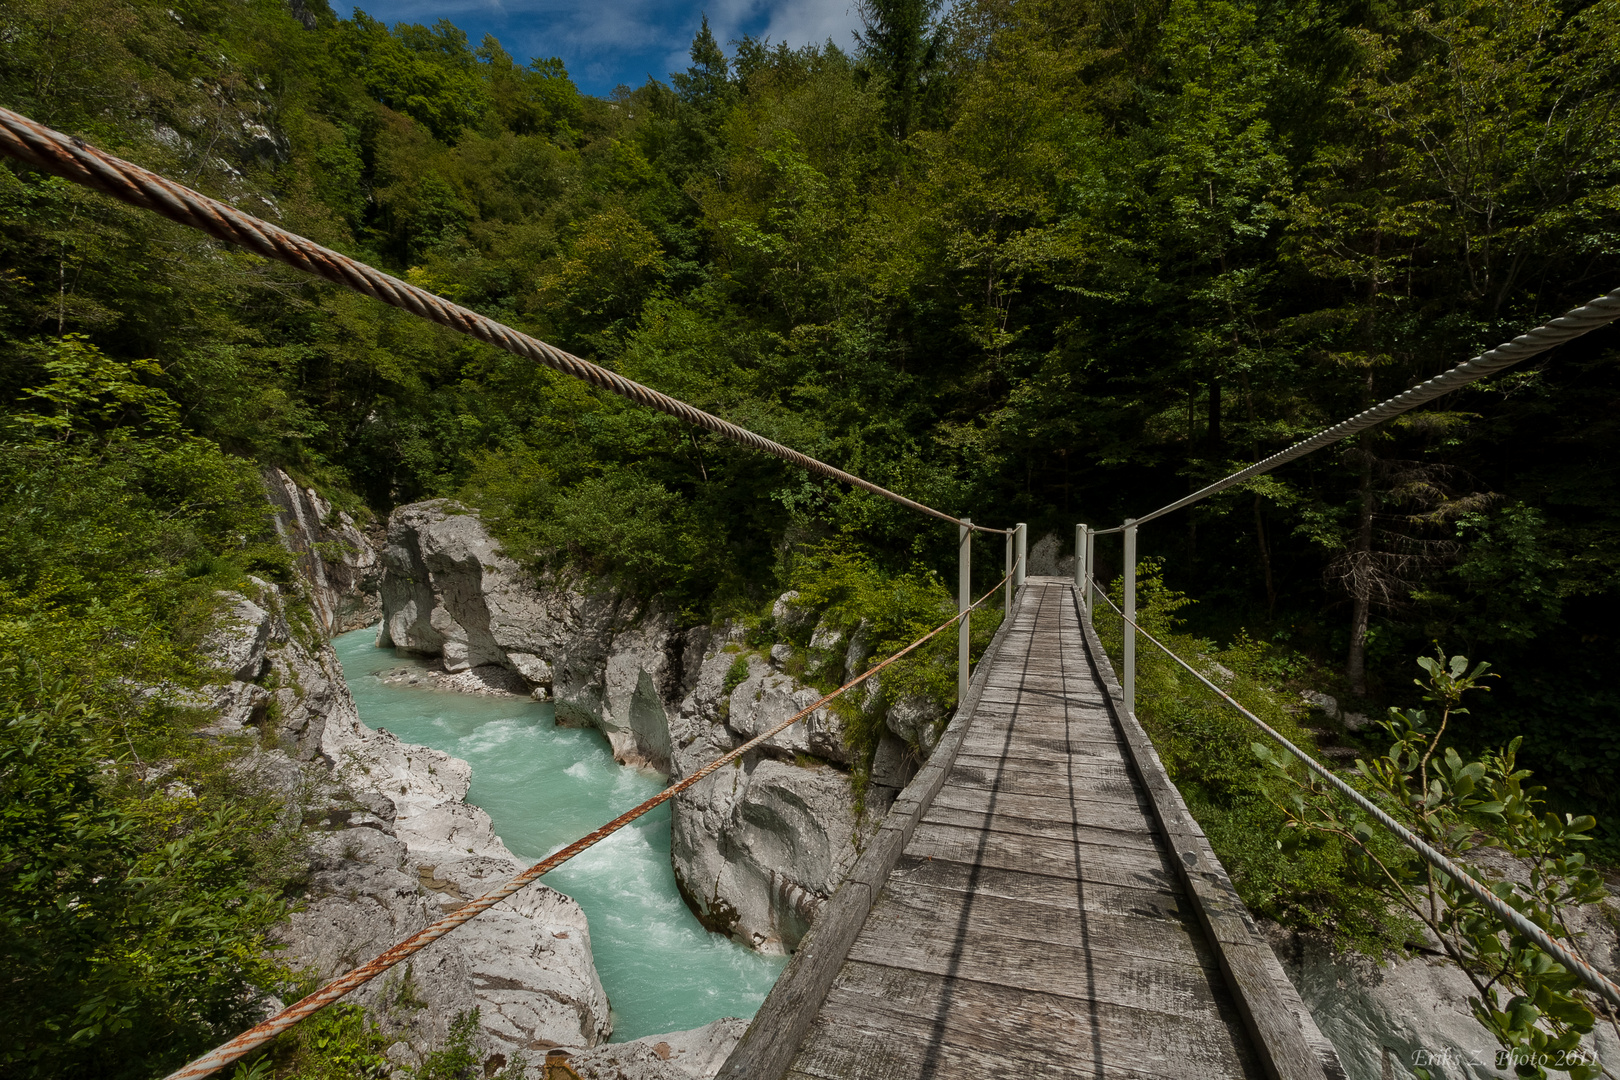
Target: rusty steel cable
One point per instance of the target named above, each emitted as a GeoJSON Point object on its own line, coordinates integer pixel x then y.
{"type": "Point", "coordinates": [1594, 979]}
{"type": "Point", "coordinates": [75, 160]}
{"type": "Point", "coordinates": [266, 1030]}
{"type": "Point", "coordinates": [1572, 324]}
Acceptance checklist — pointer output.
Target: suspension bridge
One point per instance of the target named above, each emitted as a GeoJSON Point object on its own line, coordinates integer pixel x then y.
{"type": "Point", "coordinates": [1038, 902]}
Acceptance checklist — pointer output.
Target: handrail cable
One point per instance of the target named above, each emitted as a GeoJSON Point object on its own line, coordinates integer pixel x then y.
{"type": "Point", "coordinates": [70, 157]}
{"type": "Point", "coordinates": [1572, 324]}
{"type": "Point", "coordinates": [268, 1029]}
{"type": "Point", "coordinates": [1594, 979]}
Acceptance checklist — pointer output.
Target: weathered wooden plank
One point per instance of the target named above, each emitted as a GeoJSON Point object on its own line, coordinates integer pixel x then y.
{"type": "Point", "coordinates": [1066, 739]}
{"type": "Point", "coordinates": [1114, 975]}
{"type": "Point", "coordinates": [1041, 714]}
{"type": "Point", "coordinates": [1141, 897]}
{"type": "Point", "coordinates": [972, 916]}
{"type": "Point", "coordinates": [1121, 831]}
{"type": "Point", "coordinates": [1028, 1026]}
{"type": "Point", "coordinates": [1058, 858]}
{"type": "Point", "coordinates": [1056, 767]}
{"type": "Point", "coordinates": [1105, 786]}
{"type": "Point", "coordinates": [1021, 753]}
{"type": "Point", "coordinates": [1054, 806]}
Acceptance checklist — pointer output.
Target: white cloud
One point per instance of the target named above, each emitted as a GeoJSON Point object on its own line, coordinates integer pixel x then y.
{"type": "Point", "coordinates": [811, 22]}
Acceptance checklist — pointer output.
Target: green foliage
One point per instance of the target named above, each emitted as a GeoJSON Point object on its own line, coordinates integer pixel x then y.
{"type": "Point", "coordinates": [1535, 1008]}
{"type": "Point", "coordinates": [134, 911]}
{"type": "Point", "coordinates": [841, 581]}
{"type": "Point", "coordinates": [1206, 749]}
{"type": "Point", "coordinates": [338, 1043]}
{"type": "Point", "coordinates": [457, 1059]}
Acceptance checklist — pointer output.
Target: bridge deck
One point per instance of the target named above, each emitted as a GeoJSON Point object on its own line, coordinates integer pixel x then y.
{"type": "Point", "coordinates": [1033, 926]}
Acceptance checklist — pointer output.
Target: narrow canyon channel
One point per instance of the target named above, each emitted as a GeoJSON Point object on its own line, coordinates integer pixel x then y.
{"type": "Point", "coordinates": [545, 786]}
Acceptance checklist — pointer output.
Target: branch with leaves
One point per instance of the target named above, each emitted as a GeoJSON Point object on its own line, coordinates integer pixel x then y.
{"type": "Point", "coordinates": [1535, 1009]}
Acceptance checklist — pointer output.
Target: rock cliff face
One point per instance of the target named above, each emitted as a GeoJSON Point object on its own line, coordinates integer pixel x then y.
{"type": "Point", "coordinates": [756, 848]}
{"type": "Point", "coordinates": [605, 659]}
{"type": "Point", "coordinates": [339, 566]}
{"type": "Point", "coordinates": [392, 846]}
{"type": "Point", "coordinates": [1384, 1019]}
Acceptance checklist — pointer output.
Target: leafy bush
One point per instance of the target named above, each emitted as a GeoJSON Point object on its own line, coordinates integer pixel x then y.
{"type": "Point", "coordinates": [1206, 748]}
{"type": "Point", "coordinates": [1536, 1008]}
{"type": "Point", "coordinates": [133, 916]}
{"type": "Point", "coordinates": [140, 876]}
{"type": "Point", "coordinates": [853, 594]}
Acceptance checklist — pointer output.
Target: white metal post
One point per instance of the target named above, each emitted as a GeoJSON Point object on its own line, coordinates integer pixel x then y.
{"type": "Point", "coordinates": [1130, 613]}
{"type": "Point", "coordinates": [1020, 567]}
{"type": "Point", "coordinates": [964, 599]}
{"type": "Point", "coordinates": [1091, 564]}
{"type": "Point", "coordinates": [1007, 605]}
{"type": "Point", "coordinates": [1080, 569]}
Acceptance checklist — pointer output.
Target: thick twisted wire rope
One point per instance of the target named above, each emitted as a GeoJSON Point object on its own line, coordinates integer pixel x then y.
{"type": "Point", "coordinates": [74, 159]}
{"type": "Point", "coordinates": [1594, 979]}
{"type": "Point", "coordinates": [263, 1032]}
{"type": "Point", "coordinates": [1572, 324]}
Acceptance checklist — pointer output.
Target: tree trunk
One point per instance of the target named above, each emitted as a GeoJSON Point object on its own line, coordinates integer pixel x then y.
{"type": "Point", "coordinates": [1361, 582]}
{"type": "Point", "coordinates": [1265, 559]}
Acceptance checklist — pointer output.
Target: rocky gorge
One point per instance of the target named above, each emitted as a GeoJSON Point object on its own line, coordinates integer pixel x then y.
{"type": "Point", "coordinates": [757, 849]}
{"type": "Point", "coordinates": [391, 842]}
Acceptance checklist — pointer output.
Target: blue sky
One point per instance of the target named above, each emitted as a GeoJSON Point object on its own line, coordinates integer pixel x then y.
{"type": "Point", "coordinates": [608, 42]}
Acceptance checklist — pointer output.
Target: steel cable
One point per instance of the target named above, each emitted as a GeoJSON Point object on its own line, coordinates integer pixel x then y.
{"type": "Point", "coordinates": [1572, 324]}
{"type": "Point", "coordinates": [268, 1029]}
{"type": "Point", "coordinates": [1594, 979]}
{"type": "Point", "coordinates": [74, 159]}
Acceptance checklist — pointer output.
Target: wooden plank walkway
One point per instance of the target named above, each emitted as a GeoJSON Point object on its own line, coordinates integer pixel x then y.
{"type": "Point", "coordinates": [1033, 926]}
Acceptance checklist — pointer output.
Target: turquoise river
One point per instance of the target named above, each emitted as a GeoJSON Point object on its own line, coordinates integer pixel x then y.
{"type": "Point", "coordinates": [545, 786]}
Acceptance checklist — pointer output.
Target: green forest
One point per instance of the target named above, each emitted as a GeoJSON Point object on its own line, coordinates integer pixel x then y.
{"type": "Point", "coordinates": [1056, 261]}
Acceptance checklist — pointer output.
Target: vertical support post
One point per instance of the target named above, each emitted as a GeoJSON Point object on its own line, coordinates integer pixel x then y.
{"type": "Point", "coordinates": [964, 600]}
{"type": "Point", "coordinates": [1130, 613]}
{"type": "Point", "coordinates": [1007, 604]}
{"type": "Point", "coordinates": [1091, 564]}
{"type": "Point", "coordinates": [1082, 572]}
{"type": "Point", "coordinates": [1020, 562]}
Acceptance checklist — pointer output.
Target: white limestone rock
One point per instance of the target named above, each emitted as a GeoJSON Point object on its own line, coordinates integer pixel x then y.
{"type": "Point", "coordinates": [240, 636]}
{"type": "Point", "coordinates": [759, 846]}
{"type": "Point", "coordinates": [859, 651]}
{"type": "Point", "coordinates": [792, 617]}
{"type": "Point", "coordinates": [1326, 704]}
{"type": "Point", "coordinates": [529, 958]}
{"type": "Point", "coordinates": [767, 698]}
{"type": "Point", "coordinates": [526, 964]}
{"type": "Point", "coordinates": [339, 565]}
{"type": "Point", "coordinates": [915, 719]}
{"type": "Point", "coordinates": [828, 646]}
{"type": "Point", "coordinates": [680, 1055]}
{"type": "Point", "coordinates": [1042, 558]}
{"type": "Point", "coordinates": [378, 812]}
{"type": "Point", "coordinates": [606, 660]}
